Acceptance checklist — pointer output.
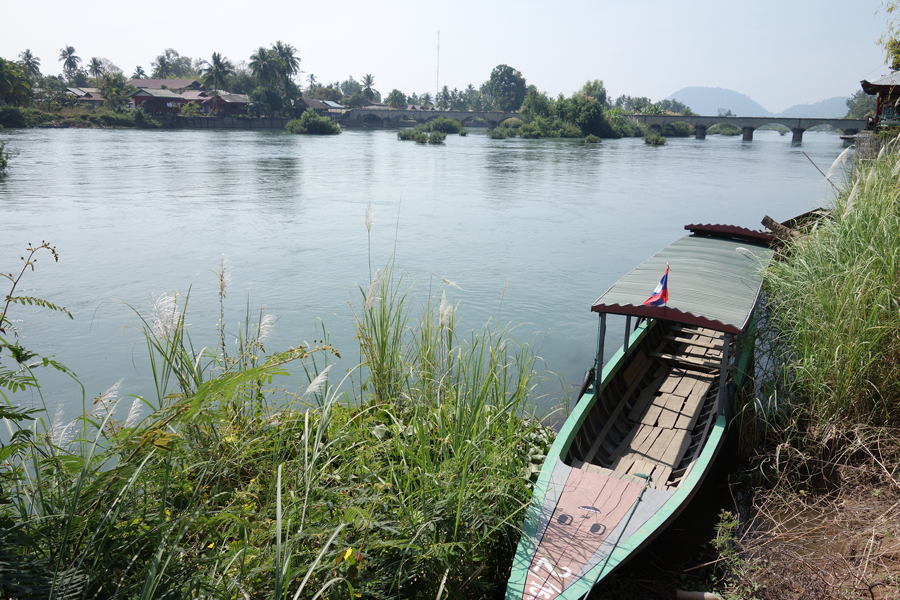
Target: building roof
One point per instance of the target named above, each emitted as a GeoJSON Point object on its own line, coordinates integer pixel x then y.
{"type": "Point", "coordinates": [888, 81]}
{"type": "Point", "coordinates": [331, 104]}
{"type": "Point", "coordinates": [172, 84]}
{"type": "Point", "coordinates": [194, 95]}
{"type": "Point", "coordinates": [234, 98]}
{"type": "Point", "coordinates": [314, 104]}
{"type": "Point", "coordinates": [158, 93]}
{"type": "Point", "coordinates": [713, 282]}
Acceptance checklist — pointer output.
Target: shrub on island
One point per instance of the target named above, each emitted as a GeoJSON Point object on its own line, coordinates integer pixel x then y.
{"type": "Point", "coordinates": [312, 124]}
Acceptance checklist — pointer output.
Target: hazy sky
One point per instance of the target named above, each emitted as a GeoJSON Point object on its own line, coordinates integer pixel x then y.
{"type": "Point", "coordinates": [778, 53]}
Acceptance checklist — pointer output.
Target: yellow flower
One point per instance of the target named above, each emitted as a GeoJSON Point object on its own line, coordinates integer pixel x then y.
{"type": "Point", "coordinates": [211, 545]}
{"type": "Point", "coordinates": [348, 553]}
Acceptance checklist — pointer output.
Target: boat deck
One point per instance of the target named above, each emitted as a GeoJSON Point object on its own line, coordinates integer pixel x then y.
{"type": "Point", "coordinates": [670, 401]}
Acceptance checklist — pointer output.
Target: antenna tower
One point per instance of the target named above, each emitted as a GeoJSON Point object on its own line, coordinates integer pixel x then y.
{"type": "Point", "coordinates": [437, 83]}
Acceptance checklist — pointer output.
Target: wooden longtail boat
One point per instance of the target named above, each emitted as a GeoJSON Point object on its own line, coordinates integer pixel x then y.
{"type": "Point", "coordinates": [647, 428]}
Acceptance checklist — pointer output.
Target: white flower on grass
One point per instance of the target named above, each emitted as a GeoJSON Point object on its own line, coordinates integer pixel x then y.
{"type": "Point", "coordinates": [164, 317]}
{"type": "Point", "coordinates": [266, 325]}
{"type": "Point", "coordinates": [450, 283]}
{"type": "Point", "coordinates": [60, 432]}
{"type": "Point", "coordinates": [134, 414]}
{"type": "Point", "coordinates": [838, 162]}
{"type": "Point", "coordinates": [317, 384]}
{"type": "Point", "coordinates": [106, 402]}
{"type": "Point", "coordinates": [373, 290]}
{"type": "Point", "coordinates": [445, 311]}
{"type": "Point", "coordinates": [224, 274]}
{"type": "Point", "coordinates": [370, 216]}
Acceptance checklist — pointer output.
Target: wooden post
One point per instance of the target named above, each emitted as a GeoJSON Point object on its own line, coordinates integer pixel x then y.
{"type": "Point", "coordinates": [598, 369]}
{"type": "Point", "coordinates": [627, 333]}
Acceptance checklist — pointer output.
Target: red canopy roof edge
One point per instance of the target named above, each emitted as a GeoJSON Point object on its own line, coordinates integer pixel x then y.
{"type": "Point", "coordinates": [665, 313]}
{"type": "Point", "coordinates": [732, 231]}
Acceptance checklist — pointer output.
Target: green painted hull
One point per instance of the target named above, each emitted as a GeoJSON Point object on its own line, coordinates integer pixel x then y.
{"type": "Point", "coordinates": [522, 579]}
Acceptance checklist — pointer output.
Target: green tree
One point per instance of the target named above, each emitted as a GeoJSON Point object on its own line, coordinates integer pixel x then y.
{"type": "Point", "coordinates": [177, 66]}
{"type": "Point", "coordinates": [263, 66]}
{"type": "Point", "coordinates": [69, 60]}
{"type": "Point", "coordinates": [139, 73]}
{"type": "Point", "coordinates": [15, 87]}
{"type": "Point", "coordinates": [442, 100]}
{"type": "Point", "coordinates": [31, 63]}
{"type": "Point", "coordinates": [161, 66]}
{"type": "Point", "coordinates": [596, 89]}
{"type": "Point", "coordinates": [357, 100]}
{"type": "Point", "coordinates": [860, 105]}
{"type": "Point", "coordinates": [215, 73]}
{"type": "Point", "coordinates": [396, 99]}
{"type": "Point", "coordinates": [536, 104]}
{"type": "Point", "coordinates": [115, 89]}
{"type": "Point", "coordinates": [425, 100]}
{"type": "Point", "coordinates": [95, 68]}
{"type": "Point", "coordinates": [507, 88]}
{"type": "Point", "coordinates": [368, 83]}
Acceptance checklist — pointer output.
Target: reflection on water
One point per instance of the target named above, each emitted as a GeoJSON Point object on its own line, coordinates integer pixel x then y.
{"type": "Point", "coordinates": [544, 225]}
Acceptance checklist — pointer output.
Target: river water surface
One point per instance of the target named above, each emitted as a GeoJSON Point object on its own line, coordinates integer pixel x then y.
{"type": "Point", "coordinates": [532, 231]}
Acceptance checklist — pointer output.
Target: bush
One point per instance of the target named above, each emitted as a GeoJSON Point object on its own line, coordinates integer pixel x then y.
{"type": "Point", "coordinates": [724, 129]}
{"type": "Point", "coordinates": [591, 139]}
{"type": "Point", "coordinates": [678, 129]}
{"type": "Point", "coordinates": [443, 124]}
{"type": "Point", "coordinates": [407, 134]}
{"type": "Point", "coordinates": [312, 124]}
{"type": "Point", "coordinates": [511, 123]}
{"type": "Point", "coordinates": [623, 126]}
{"type": "Point", "coordinates": [463, 132]}
{"type": "Point", "coordinates": [437, 137]}
{"type": "Point", "coordinates": [498, 133]}
{"type": "Point", "coordinates": [420, 137]}
{"type": "Point", "coordinates": [4, 157]}
{"type": "Point", "coordinates": [654, 139]}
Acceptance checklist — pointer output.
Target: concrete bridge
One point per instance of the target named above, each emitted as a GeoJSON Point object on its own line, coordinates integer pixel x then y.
{"type": "Point", "coordinates": [748, 124]}
{"type": "Point", "coordinates": [394, 117]}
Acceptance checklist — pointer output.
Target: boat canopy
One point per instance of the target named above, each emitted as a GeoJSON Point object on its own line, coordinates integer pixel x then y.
{"type": "Point", "coordinates": [715, 276]}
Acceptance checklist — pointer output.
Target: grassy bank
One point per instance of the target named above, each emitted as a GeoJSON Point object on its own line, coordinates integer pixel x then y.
{"type": "Point", "coordinates": [403, 478]}
{"type": "Point", "coordinates": [821, 433]}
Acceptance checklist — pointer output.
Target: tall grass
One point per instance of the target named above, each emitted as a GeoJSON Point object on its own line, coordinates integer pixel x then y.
{"type": "Point", "coordinates": [406, 479]}
{"type": "Point", "coordinates": [834, 301]}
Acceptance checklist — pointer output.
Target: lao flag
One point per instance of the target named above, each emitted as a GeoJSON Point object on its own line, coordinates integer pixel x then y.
{"type": "Point", "coordinates": [661, 293]}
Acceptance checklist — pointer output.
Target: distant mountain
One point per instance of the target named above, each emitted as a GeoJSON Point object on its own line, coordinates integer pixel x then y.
{"type": "Point", "coordinates": [831, 108]}
{"type": "Point", "coordinates": [708, 100]}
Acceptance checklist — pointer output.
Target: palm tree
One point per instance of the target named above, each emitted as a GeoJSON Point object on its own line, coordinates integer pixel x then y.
{"type": "Point", "coordinates": [368, 82]}
{"type": "Point", "coordinates": [69, 60]}
{"type": "Point", "coordinates": [95, 68]}
{"type": "Point", "coordinates": [396, 99]}
{"type": "Point", "coordinates": [14, 84]}
{"type": "Point", "coordinates": [162, 68]}
{"type": "Point", "coordinates": [215, 72]}
{"type": "Point", "coordinates": [312, 80]}
{"type": "Point", "coordinates": [31, 63]}
{"type": "Point", "coordinates": [287, 55]}
{"type": "Point", "coordinates": [425, 99]}
{"type": "Point", "coordinates": [139, 73]}
{"type": "Point", "coordinates": [263, 67]}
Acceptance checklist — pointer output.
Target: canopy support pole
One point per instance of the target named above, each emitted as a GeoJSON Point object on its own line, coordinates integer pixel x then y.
{"type": "Point", "coordinates": [627, 333]}
{"type": "Point", "coordinates": [601, 337]}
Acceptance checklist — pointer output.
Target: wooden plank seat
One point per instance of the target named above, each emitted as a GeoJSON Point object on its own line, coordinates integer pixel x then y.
{"type": "Point", "coordinates": [687, 362]}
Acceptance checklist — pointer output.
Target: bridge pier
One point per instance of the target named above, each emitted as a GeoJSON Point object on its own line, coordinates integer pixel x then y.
{"type": "Point", "coordinates": [748, 134]}
{"type": "Point", "coordinates": [700, 132]}
{"type": "Point", "coordinates": [797, 135]}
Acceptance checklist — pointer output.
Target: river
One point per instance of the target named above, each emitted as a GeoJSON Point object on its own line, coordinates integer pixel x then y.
{"type": "Point", "coordinates": [531, 231]}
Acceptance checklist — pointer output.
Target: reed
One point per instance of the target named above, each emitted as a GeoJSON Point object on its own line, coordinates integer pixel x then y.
{"type": "Point", "coordinates": [406, 479]}
{"type": "Point", "coordinates": [833, 302]}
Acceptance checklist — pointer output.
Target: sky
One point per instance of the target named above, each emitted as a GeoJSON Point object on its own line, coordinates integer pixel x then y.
{"type": "Point", "coordinates": [778, 53]}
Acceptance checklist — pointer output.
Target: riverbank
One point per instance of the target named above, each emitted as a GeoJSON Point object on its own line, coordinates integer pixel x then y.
{"type": "Point", "coordinates": [821, 437]}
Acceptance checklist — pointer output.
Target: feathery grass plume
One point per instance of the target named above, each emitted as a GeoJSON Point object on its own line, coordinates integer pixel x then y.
{"type": "Point", "coordinates": [164, 316]}
{"type": "Point", "coordinates": [316, 385]}
{"type": "Point", "coordinates": [896, 170]}
{"type": "Point", "coordinates": [60, 432]}
{"type": "Point", "coordinates": [224, 274]}
{"type": "Point", "coordinates": [373, 290]}
{"type": "Point", "coordinates": [264, 330]}
{"type": "Point", "coordinates": [848, 207]}
{"type": "Point", "coordinates": [445, 311]}
{"type": "Point", "coordinates": [106, 402]}
{"type": "Point", "coordinates": [744, 252]}
{"type": "Point", "coordinates": [450, 283]}
{"type": "Point", "coordinates": [872, 178]}
{"type": "Point", "coordinates": [838, 162]}
{"type": "Point", "coordinates": [134, 413]}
